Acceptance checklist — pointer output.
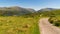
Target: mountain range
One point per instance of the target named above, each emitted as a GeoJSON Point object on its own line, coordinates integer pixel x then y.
{"type": "Point", "coordinates": [16, 10]}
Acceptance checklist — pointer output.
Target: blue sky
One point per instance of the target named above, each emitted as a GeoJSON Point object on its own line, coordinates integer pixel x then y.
{"type": "Point", "coordinates": [35, 4]}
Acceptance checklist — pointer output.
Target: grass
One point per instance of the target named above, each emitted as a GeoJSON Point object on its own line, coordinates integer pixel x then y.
{"type": "Point", "coordinates": [55, 20]}
{"type": "Point", "coordinates": [19, 25]}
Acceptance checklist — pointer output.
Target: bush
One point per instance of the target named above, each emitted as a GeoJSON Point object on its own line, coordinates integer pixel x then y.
{"type": "Point", "coordinates": [57, 23]}
{"type": "Point", "coordinates": [50, 20]}
{"type": "Point", "coordinates": [54, 21]}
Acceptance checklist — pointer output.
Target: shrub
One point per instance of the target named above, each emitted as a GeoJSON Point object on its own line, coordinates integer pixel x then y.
{"type": "Point", "coordinates": [57, 23]}
{"type": "Point", "coordinates": [54, 21]}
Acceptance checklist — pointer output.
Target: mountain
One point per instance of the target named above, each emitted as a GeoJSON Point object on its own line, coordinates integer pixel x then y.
{"type": "Point", "coordinates": [15, 10]}
{"type": "Point", "coordinates": [46, 9]}
{"type": "Point", "coordinates": [49, 12]}
{"type": "Point", "coordinates": [32, 10]}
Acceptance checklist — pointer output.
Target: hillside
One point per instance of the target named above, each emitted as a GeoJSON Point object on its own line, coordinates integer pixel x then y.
{"type": "Point", "coordinates": [17, 20]}
{"type": "Point", "coordinates": [49, 12]}
{"type": "Point", "coordinates": [53, 14]}
{"type": "Point", "coordinates": [46, 9]}
{"type": "Point", "coordinates": [15, 10]}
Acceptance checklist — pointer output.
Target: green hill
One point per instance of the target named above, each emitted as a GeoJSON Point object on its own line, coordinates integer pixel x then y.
{"type": "Point", "coordinates": [9, 11]}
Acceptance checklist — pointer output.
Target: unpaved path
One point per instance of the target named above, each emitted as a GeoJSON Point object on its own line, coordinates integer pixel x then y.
{"type": "Point", "coordinates": [47, 28]}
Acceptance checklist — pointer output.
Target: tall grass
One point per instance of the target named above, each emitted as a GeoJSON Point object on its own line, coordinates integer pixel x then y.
{"type": "Point", "coordinates": [19, 25]}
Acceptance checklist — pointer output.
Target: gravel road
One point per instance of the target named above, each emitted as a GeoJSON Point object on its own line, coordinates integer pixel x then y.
{"type": "Point", "coordinates": [47, 28]}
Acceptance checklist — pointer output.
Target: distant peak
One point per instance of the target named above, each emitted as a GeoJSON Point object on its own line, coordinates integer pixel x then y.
{"type": "Point", "coordinates": [14, 6]}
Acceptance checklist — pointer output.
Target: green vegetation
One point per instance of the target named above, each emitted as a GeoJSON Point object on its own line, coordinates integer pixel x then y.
{"type": "Point", "coordinates": [55, 20]}
{"type": "Point", "coordinates": [18, 25]}
{"type": "Point", "coordinates": [17, 20]}
{"type": "Point", "coordinates": [53, 14]}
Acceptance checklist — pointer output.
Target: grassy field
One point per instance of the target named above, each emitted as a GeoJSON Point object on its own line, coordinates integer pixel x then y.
{"type": "Point", "coordinates": [19, 25]}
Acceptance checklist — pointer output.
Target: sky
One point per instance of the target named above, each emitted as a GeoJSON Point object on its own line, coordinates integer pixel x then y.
{"type": "Point", "coordinates": [34, 4]}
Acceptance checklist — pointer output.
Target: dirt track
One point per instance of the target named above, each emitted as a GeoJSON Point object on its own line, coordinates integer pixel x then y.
{"type": "Point", "coordinates": [47, 28]}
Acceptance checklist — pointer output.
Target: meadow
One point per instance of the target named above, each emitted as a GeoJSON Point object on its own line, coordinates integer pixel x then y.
{"type": "Point", "coordinates": [19, 25]}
